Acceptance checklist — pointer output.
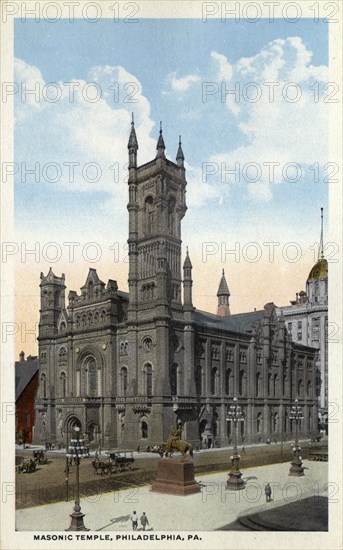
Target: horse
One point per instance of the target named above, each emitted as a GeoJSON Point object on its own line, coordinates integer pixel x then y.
{"type": "Point", "coordinates": [179, 445]}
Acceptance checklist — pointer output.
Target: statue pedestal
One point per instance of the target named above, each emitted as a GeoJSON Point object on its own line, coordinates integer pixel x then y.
{"type": "Point", "coordinates": [175, 478]}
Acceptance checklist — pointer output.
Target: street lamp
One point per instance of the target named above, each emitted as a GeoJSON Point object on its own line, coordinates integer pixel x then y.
{"type": "Point", "coordinates": [296, 468]}
{"type": "Point", "coordinates": [235, 480]}
{"type": "Point", "coordinates": [77, 450]}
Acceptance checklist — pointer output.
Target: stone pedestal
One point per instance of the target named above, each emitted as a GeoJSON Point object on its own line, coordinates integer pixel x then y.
{"type": "Point", "coordinates": [235, 481]}
{"type": "Point", "coordinates": [175, 477]}
{"type": "Point", "coordinates": [296, 469]}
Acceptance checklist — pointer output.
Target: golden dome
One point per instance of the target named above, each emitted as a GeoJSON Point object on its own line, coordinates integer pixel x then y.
{"type": "Point", "coordinates": [319, 270]}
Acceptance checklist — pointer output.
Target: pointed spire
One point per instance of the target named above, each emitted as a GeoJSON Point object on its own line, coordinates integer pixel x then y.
{"type": "Point", "coordinates": [223, 289]}
{"type": "Point", "coordinates": [160, 145]}
{"type": "Point", "coordinates": [180, 156]}
{"type": "Point", "coordinates": [321, 244]}
{"type": "Point", "coordinates": [223, 309]}
{"type": "Point", "coordinates": [187, 263]}
{"type": "Point", "coordinates": [133, 143]}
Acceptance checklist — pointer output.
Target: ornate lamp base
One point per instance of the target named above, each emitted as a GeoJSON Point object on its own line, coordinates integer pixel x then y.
{"type": "Point", "coordinates": [296, 468]}
{"type": "Point", "coordinates": [77, 520]}
{"type": "Point", "coordinates": [235, 481]}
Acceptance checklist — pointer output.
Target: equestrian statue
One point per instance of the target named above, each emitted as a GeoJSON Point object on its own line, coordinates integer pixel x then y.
{"type": "Point", "coordinates": [175, 443]}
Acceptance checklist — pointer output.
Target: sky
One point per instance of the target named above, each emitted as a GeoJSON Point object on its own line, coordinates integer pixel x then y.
{"type": "Point", "coordinates": [273, 132]}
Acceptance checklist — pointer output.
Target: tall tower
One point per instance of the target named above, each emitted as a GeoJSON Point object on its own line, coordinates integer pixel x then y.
{"type": "Point", "coordinates": [52, 303]}
{"type": "Point", "coordinates": [156, 207]}
{"type": "Point", "coordinates": [223, 294]}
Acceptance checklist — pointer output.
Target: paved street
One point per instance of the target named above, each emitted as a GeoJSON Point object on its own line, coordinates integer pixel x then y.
{"type": "Point", "coordinates": [211, 509]}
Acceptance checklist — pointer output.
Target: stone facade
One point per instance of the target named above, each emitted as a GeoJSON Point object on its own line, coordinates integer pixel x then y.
{"type": "Point", "coordinates": [307, 323]}
{"type": "Point", "coordinates": [127, 366]}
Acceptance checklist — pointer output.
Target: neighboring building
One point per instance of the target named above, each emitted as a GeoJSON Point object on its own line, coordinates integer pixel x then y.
{"type": "Point", "coordinates": [26, 384]}
{"type": "Point", "coordinates": [127, 366]}
{"type": "Point", "coordinates": [307, 323]}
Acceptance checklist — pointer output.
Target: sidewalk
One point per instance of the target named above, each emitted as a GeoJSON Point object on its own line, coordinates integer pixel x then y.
{"type": "Point", "coordinates": [212, 508]}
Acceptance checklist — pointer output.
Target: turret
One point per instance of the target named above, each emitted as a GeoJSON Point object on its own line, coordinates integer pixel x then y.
{"type": "Point", "coordinates": [223, 294]}
{"type": "Point", "coordinates": [52, 302]}
{"type": "Point", "coordinates": [132, 146]}
{"type": "Point", "coordinates": [179, 155]}
{"type": "Point", "coordinates": [187, 281]}
{"type": "Point", "coordinates": [160, 145]}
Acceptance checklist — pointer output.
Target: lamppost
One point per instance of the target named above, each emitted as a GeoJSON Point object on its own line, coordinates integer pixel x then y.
{"type": "Point", "coordinates": [296, 468]}
{"type": "Point", "coordinates": [234, 416]}
{"type": "Point", "coordinates": [77, 450]}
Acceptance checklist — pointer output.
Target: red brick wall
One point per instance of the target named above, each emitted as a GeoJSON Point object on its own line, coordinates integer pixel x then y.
{"type": "Point", "coordinates": [24, 406]}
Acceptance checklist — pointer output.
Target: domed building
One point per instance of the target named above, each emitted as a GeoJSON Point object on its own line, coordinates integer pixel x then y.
{"type": "Point", "coordinates": [307, 323]}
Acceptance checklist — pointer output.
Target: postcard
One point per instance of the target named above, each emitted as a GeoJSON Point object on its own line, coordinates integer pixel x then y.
{"type": "Point", "coordinates": [171, 274]}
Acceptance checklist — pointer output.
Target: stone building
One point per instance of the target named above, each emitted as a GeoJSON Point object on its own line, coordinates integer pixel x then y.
{"type": "Point", "coordinates": [307, 323]}
{"type": "Point", "coordinates": [127, 366]}
{"type": "Point", "coordinates": [26, 384]}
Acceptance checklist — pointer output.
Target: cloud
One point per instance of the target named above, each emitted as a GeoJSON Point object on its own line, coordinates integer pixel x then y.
{"type": "Point", "coordinates": [179, 85]}
{"type": "Point", "coordinates": [88, 125]}
{"type": "Point", "coordinates": [276, 113]}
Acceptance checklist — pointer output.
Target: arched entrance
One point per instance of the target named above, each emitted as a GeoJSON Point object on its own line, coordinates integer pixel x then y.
{"type": "Point", "coordinates": [71, 423]}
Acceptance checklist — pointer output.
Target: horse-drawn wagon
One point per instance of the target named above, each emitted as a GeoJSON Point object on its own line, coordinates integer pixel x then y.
{"type": "Point", "coordinates": [121, 460]}
{"type": "Point", "coordinates": [27, 466]}
{"type": "Point", "coordinates": [39, 457]}
{"type": "Point", "coordinates": [118, 461]}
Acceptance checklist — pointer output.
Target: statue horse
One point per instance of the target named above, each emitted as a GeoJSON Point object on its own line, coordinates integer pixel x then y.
{"type": "Point", "coordinates": [178, 445]}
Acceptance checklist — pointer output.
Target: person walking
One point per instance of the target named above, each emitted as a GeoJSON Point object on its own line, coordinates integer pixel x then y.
{"type": "Point", "coordinates": [144, 521]}
{"type": "Point", "coordinates": [134, 519]}
{"type": "Point", "coordinates": [268, 492]}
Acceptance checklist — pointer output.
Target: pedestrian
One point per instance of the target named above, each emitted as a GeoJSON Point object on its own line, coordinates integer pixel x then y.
{"type": "Point", "coordinates": [268, 492]}
{"type": "Point", "coordinates": [243, 449]}
{"type": "Point", "coordinates": [134, 519]}
{"type": "Point", "coordinates": [144, 521]}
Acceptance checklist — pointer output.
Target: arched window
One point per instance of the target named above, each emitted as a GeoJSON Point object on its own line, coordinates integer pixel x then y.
{"type": "Point", "coordinates": [275, 381]}
{"type": "Point", "coordinates": [274, 422]}
{"type": "Point", "coordinates": [96, 317]}
{"type": "Point", "coordinates": [63, 384]}
{"type": "Point", "coordinates": [284, 380]}
{"type": "Point", "coordinates": [148, 375]}
{"type": "Point", "coordinates": [259, 422]}
{"type": "Point", "coordinates": [90, 290]}
{"type": "Point", "coordinates": [214, 374]}
{"type": "Point", "coordinates": [258, 384]}
{"type": "Point", "coordinates": [84, 320]}
{"type": "Point", "coordinates": [144, 430]}
{"type": "Point", "coordinates": [309, 388]}
{"type": "Point", "coordinates": [228, 380]}
{"type": "Point", "coordinates": [242, 382]}
{"type": "Point", "coordinates": [300, 388]}
{"type": "Point", "coordinates": [123, 381]}
{"type": "Point", "coordinates": [198, 380]}
{"type": "Point", "coordinates": [62, 354]}
{"type": "Point", "coordinates": [43, 385]}
{"type": "Point", "coordinates": [173, 380]}
{"type": "Point", "coordinates": [171, 216]}
{"type": "Point", "coordinates": [92, 378]}
{"type": "Point", "coordinates": [149, 215]}
{"type": "Point", "coordinates": [63, 327]}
